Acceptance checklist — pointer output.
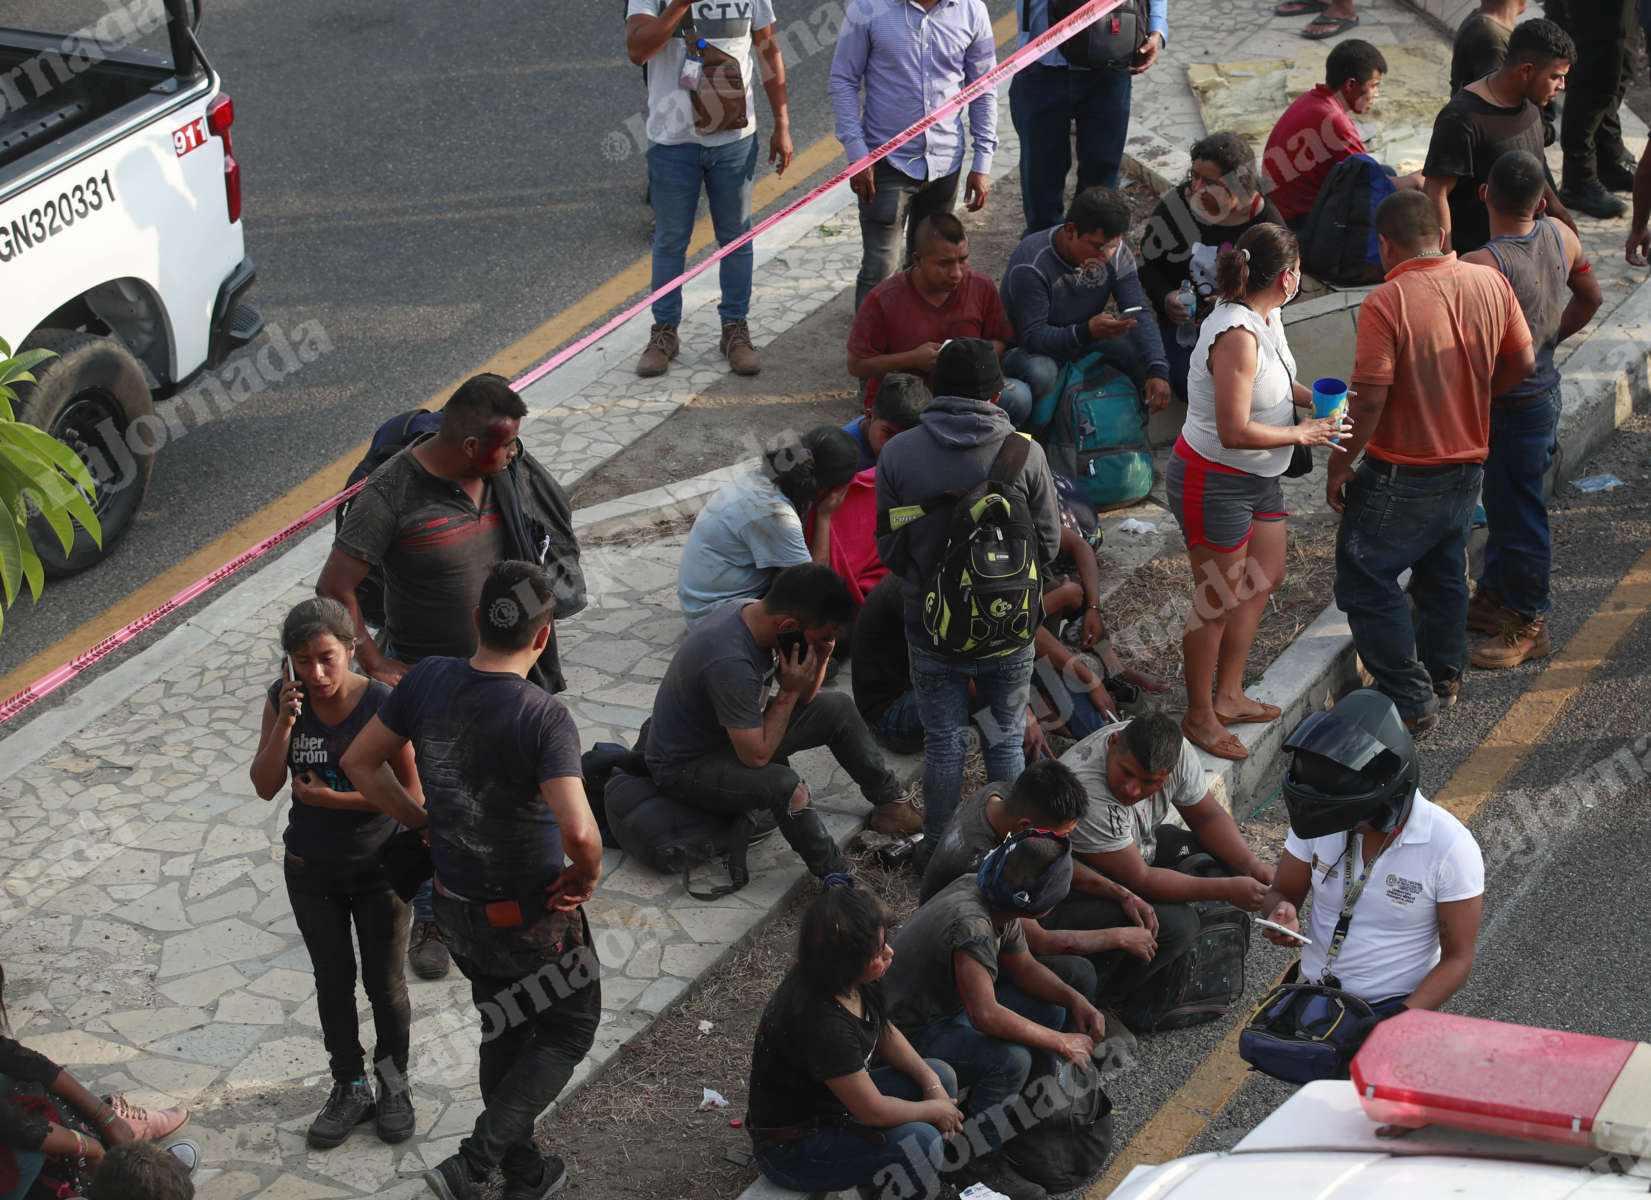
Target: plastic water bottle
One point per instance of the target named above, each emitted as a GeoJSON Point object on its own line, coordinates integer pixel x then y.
{"type": "Point", "coordinates": [1187, 333]}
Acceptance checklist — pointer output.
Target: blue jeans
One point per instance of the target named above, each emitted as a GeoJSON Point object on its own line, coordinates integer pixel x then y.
{"type": "Point", "coordinates": [1069, 705]}
{"type": "Point", "coordinates": [904, 1157]}
{"type": "Point", "coordinates": [1518, 552]}
{"type": "Point", "coordinates": [1016, 401]}
{"type": "Point", "coordinates": [993, 1071]}
{"type": "Point", "coordinates": [1416, 518]}
{"type": "Point", "coordinates": [424, 909]}
{"type": "Point", "coordinates": [1044, 103]}
{"type": "Point", "coordinates": [1037, 373]}
{"type": "Point", "coordinates": [887, 224]}
{"type": "Point", "coordinates": [942, 689]}
{"type": "Point", "coordinates": [900, 728]}
{"type": "Point", "coordinates": [675, 176]}
{"type": "Point", "coordinates": [29, 1164]}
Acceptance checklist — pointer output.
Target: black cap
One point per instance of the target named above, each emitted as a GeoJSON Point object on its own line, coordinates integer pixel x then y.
{"type": "Point", "coordinates": [968, 367]}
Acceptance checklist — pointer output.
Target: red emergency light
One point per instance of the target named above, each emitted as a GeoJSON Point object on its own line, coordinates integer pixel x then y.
{"type": "Point", "coordinates": [1429, 1068]}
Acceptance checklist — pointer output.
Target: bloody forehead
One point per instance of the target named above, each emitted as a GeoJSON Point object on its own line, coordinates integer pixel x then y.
{"type": "Point", "coordinates": [499, 431]}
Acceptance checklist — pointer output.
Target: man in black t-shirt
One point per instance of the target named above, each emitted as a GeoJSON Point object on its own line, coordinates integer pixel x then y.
{"type": "Point", "coordinates": [505, 808]}
{"type": "Point", "coordinates": [1481, 42]}
{"type": "Point", "coordinates": [1488, 118]}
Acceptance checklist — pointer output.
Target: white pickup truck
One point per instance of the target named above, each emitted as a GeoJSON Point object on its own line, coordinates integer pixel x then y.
{"type": "Point", "coordinates": [120, 231]}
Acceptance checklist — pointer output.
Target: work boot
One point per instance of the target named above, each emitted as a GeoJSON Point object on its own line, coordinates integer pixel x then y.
{"type": "Point", "coordinates": [1448, 688]}
{"type": "Point", "coordinates": [995, 1172]}
{"type": "Point", "coordinates": [1519, 641]}
{"type": "Point", "coordinates": [552, 1177]}
{"type": "Point", "coordinates": [896, 818]}
{"type": "Point", "coordinates": [1487, 613]}
{"type": "Point", "coordinates": [1617, 174]}
{"type": "Point", "coordinates": [1593, 200]}
{"type": "Point", "coordinates": [149, 1126]}
{"type": "Point", "coordinates": [427, 954]}
{"type": "Point", "coordinates": [662, 348]}
{"type": "Point", "coordinates": [1421, 726]}
{"type": "Point", "coordinates": [395, 1110]}
{"type": "Point", "coordinates": [738, 350]}
{"type": "Point", "coordinates": [348, 1106]}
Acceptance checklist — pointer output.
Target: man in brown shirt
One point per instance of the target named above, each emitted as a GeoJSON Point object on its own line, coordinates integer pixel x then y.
{"type": "Point", "coordinates": [1435, 342]}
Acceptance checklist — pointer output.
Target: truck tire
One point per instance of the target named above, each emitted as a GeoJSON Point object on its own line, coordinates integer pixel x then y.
{"type": "Point", "coordinates": [88, 397]}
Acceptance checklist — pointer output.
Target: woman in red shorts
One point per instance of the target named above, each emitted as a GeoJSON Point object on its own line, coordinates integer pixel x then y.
{"type": "Point", "coordinates": [1224, 477]}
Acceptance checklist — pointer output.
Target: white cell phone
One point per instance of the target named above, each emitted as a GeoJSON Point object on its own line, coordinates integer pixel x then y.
{"type": "Point", "coordinates": [1132, 310]}
{"type": "Point", "coordinates": [290, 670]}
{"type": "Point", "coordinates": [1276, 927]}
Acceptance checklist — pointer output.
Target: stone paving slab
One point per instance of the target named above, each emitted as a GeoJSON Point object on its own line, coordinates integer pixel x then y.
{"type": "Point", "coordinates": [143, 923]}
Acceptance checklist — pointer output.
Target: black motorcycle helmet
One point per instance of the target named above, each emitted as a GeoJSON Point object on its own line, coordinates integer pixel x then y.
{"type": "Point", "coordinates": [1353, 765]}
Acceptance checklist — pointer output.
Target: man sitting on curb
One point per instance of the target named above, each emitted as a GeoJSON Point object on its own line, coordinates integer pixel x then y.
{"type": "Point", "coordinates": [903, 321]}
{"type": "Point", "coordinates": [1554, 282]}
{"type": "Point", "coordinates": [1047, 796]}
{"type": "Point", "coordinates": [1133, 772]}
{"type": "Point", "coordinates": [1056, 290]}
{"type": "Point", "coordinates": [964, 988]}
{"type": "Point", "coordinates": [898, 406]}
{"type": "Point", "coordinates": [720, 742]}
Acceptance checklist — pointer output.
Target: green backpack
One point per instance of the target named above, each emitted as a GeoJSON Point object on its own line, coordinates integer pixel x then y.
{"type": "Point", "coordinates": [984, 597]}
{"type": "Point", "coordinates": [1099, 438]}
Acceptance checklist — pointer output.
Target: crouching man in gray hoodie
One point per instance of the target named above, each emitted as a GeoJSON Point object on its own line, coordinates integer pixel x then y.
{"type": "Point", "coordinates": [953, 447]}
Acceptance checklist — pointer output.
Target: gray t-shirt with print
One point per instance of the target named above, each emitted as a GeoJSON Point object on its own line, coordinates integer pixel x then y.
{"type": "Point", "coordinates": [1111, 824]}
{"type": "Point", "coordinates": [726, 25]}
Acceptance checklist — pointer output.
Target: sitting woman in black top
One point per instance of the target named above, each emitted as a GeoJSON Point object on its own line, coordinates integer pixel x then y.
{"type": "Point", "coordinates": [337, 865]}
{"type": "Point", "coordinates": [814, 1098]}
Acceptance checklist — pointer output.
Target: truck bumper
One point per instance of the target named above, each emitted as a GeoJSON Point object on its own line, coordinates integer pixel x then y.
{"type": "Point", "coordinates": [234, 324]}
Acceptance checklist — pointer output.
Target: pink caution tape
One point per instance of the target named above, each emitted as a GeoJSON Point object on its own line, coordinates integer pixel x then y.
{"type": "Point", "coordinates": [1006, 69]}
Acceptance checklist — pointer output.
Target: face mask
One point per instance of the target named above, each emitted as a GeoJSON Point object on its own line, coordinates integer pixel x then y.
{"type": "Point", "coordinates": [1294, 291]}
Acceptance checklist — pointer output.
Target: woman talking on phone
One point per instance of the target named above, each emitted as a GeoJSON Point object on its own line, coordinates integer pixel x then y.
{"type": "Point", "coordinates": [336, 870]}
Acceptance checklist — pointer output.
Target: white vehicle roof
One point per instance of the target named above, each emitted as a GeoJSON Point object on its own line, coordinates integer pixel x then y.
{"type": "Point", "coordinates": [1321, 1144]}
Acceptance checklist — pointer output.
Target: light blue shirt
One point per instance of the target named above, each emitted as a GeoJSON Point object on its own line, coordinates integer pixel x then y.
{"type": "Point", "coordinates": [744, 534]}
{"type": "Point", "coordinates": [1034, 19]}
{"type": "Point", "coordinates": [909, 62]}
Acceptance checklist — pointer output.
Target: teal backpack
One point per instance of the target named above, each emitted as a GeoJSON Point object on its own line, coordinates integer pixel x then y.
{"type": "Point", "coordinates": [1099, 436]}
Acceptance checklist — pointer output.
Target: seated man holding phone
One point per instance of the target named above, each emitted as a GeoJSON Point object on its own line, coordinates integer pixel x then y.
{"type": "Point", "coordinates": [1056, 290]}
{"type": "Point", "coordinates": [720, 741]}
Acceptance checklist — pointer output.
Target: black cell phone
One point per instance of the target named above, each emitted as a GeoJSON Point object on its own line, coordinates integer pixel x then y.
{"type": "Point", "coordinates": [793, 645]}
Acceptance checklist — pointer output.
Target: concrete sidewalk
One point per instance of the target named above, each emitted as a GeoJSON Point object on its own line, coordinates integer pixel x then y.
{"type": "Point", "coordinates": [146, 932]}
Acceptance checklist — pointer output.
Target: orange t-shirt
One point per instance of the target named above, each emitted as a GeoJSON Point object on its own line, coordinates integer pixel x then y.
{"type": "Point", "coordinates": [1432, 333]}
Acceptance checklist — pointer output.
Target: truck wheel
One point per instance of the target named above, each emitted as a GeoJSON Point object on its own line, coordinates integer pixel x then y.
{"type": "Point", "coordinates": [88, 397]}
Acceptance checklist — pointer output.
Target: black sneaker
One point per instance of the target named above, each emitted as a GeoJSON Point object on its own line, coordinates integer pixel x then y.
{"type": "Point", "coordinates": [1593, 200]}
{"type": "Point", "coordinates": [450, 1179]}
{"type": "Point", "coordinates": [1618, 175]}
{"type": "Point", "coordinates": [995, 1172]}
{"type": "Point", "coordinates": [348, 1106]}
{"type": "Point", "coordinates": [395, 1113]}
{"type": "Point", "coordinates": [551, 1180]}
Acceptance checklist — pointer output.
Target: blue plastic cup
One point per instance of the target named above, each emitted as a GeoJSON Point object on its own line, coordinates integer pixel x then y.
{"type": "Point", "coordinates": [1329, 398]}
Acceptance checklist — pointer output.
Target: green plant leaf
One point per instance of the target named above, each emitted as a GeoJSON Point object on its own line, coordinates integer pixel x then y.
{"type": "Point", "coordinates": [11, 554]}
{"type": "Point", "coordinates": [21, 368]}
{"type": "Point", "coordinates": [53, 495]}
{"type": "Point", "coordinates": [45, 446]}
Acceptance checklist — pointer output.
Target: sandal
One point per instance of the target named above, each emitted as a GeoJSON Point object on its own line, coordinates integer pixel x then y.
{"type": "Point", "coordinates": [1268, 713]}
{"type": "Point", "coordinates": [1328, 27]}
{"type": "Point", "coordinates": [1228, 747]}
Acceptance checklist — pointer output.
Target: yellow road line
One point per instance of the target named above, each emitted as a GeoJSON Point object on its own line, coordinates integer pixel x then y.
{"type": "Point", "coordinates": [1187, 1113]}
{"type": "Point", "coordinates": [512, 360]}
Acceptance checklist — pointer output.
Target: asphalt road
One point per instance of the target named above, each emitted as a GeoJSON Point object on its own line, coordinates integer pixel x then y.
{"type": "Point", "coordinates": [429, 182]}
{"type": "Point", "coordinates": [1566, 902]}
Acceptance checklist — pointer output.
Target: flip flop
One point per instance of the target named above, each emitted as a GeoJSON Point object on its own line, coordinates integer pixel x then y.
{"type": "Point", "coordinates": [1268, 713]}
{"type": "Point", "coordinates": [1337, 27]}
{"type": "Point", "coordinates": [1300, 8]}
{"type": "Point", "coordinates": [1229, 747]}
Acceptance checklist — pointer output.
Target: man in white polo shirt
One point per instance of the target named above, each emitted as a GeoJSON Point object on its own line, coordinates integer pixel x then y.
{"type": "Point", "coordinates": [1133, 772]}
{"type": "Point", "coordinates": [1359, 828]}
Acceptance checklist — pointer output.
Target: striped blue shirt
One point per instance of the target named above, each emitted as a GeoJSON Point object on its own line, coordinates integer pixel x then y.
{"type": "Point", "coordinates": [909, 61]}
{"type": "Point", "coordinates": [1034, 19]}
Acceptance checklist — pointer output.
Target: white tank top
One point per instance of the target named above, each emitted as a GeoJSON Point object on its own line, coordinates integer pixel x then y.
{"type": "Point", "coordinates": [1271, 395]}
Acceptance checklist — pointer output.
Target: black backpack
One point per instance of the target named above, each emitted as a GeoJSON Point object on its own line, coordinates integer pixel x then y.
{"type": "Point", "coordinates": [1111, 40]}
{"type": "Point", "coordinates": [1072, 1138]}
{"type": "Point", "coordinates": [673, 837]}
{"type": "Point", "coordinates": [1203, 983]}
{"type": "Point", "coordinates": [1338, 239]}
{"type": "Point", "coordinates": [984, 596]}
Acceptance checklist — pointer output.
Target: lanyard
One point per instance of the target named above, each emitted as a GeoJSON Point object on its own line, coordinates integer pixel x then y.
{"type": "Point", "coordinates": [1353, 889]}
